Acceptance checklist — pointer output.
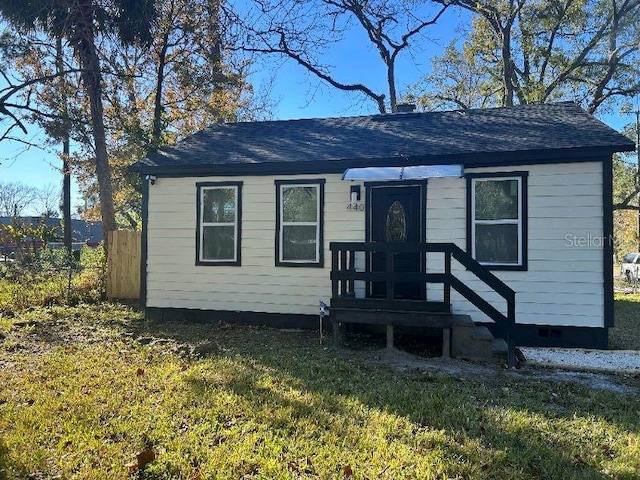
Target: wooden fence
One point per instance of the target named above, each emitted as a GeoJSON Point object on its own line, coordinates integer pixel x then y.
{"type": "Point", "coordinates": [123, 264]}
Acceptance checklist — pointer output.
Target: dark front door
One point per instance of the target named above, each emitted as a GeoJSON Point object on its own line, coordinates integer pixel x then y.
{"type": "Point", "coordinates": [396, 217]}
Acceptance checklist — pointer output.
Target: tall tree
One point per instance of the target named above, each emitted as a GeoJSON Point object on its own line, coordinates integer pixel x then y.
{"type": "Point", "coordinates": [17, 106]}
{"type": "Point", "coordinates": [458, 80]}
{"type": "Point", "coordinates": [537, 51]}
{"type": "Point", "coordinates": [181, 82]}
{"type": "Point", "coordinates": [77, 21]}
{"type": "Point", "coordinates": [625, 215]}
{"type": "Point", "coordinates": [65, 137]}
{"type": "Point", "coordinates": [306, 32]}
{"type": "Point", "coordinates": [47, 102]}
{"type": "Point", "coordinates": [153, 94]}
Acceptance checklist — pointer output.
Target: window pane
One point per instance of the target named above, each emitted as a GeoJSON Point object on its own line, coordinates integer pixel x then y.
{"type": "Point", "coordinates": [497, 243]}
{"type": "Point", "coordinates": [219, 205]}
{"type": "Point", "coordinates": [299, 243]}
{"type": "Point", "coordinates": [300, 204]}
{"type": "Point", "coordinates": [496, 199]}
{"type": "Point", "coordinates": [218, 243]}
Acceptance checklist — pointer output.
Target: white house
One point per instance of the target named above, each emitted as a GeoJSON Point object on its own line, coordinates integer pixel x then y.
{"type": "Point", "coordinates": [501, 214]}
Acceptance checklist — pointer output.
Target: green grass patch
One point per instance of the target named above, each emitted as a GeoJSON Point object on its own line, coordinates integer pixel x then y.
{"type": "Point", "coordinates": [33, 289]}
{"type": "Point", "coordinates": [626, 333]}
{"type": "Point", "coordinates": [85, 389]}
{"type": "Point", "coordinates": [52, 278]}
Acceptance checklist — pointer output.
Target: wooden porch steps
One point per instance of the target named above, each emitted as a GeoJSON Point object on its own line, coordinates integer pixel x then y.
{"type": "Point", "coordinates": [351, 279]}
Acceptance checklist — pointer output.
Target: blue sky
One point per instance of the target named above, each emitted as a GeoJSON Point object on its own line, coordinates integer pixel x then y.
{"type": "Point", "coordinates": [296, 94]}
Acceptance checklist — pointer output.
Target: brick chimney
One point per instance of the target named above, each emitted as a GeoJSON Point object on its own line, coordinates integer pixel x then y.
{"type": "Point", "coordinates": [405, 107]}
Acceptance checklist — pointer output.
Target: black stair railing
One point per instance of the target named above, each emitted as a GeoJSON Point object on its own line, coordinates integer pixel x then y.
{"type": "Point", "coordinates": [344, 277]}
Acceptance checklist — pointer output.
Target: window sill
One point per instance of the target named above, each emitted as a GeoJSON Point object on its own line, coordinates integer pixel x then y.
{"type": "Point", "coordinates": [221, 263]}
{"type": "Point", "coordinates": [299, 264]}
{"type": "Point", "coordinates": [504, 266]}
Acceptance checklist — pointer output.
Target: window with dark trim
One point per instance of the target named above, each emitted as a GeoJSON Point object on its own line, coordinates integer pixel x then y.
{"type": "Point", "coordinates": [497, 219]}
{"type": "Point", "coordinates": [299, 222]}
{"type": "Point", "coordinates": [218, 233]}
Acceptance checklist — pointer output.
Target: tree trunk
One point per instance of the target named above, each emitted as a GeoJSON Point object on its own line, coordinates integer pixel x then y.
{"type": "Point", "coordinates": [507, 65]}
{"type": "Point", "coordinates": [391, 81]}
{"type": "Point", "coordinates": [66, 169]}
{"type": "Point", "coordinates": [66, 197]}
{"type": "Point", "coordinates": [92, 80]}
{"type": "Point", "coordinates": [157, 108]}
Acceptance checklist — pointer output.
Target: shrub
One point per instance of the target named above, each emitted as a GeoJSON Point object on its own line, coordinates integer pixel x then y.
{"type": "Point", "coordinates": [53, 278]}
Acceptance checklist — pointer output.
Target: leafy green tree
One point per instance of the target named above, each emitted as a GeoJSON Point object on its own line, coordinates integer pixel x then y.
{"type": "Point", "coordinates": [538, 51]}
{"type": "Point", "coordinates": [79, 21]}
{"type": "Point", "coordinates": [625, 215]}
{"type": "Point", "coordinates": [184, 80]}
{"type": "Point", "coordinates": [46, 103]}
{"type": "Point", "coordinates": [458, 80]}
{"type": "Point", "coordinates": [153, 95]}
{"type": "Point", "coordinates": [626, 190]}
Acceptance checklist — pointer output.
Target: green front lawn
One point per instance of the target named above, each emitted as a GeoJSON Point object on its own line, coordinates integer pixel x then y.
{"type": "Point", "coordinates": [84, 390]}
{"type": "Point", "coordinates": [626, 333]}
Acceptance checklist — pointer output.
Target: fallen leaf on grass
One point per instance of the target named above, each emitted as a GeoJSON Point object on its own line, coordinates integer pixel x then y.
{"type": "Point", "coordinates": [145, 457]}
{"type": "Point", "coordinates": [140, 372]}
{"type": "Point", "coordinates": [301, 466]}
{"type": "Point", "coordinates": [347, 471]}
{"type": "Point", "coordinates": [608, 451]}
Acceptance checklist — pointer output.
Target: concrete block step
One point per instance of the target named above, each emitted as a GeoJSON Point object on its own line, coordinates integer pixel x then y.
{"type": "Point", "coordinates": [477, 350]}
{"type": "Point", "coordinates": [475, 342]}
{"type": "Point", "coordinates": [462, 321]}
{"type": "Point", "coordinates": [500, 347]}
{"type": "Point", "coordinates": [482, 334]}
{"type": "Point", "coordinates": [501, 353]}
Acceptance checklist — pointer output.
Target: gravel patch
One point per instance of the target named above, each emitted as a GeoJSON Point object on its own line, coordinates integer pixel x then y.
{"type": "Point", "coordinates": [601, 380]}
{"type": "Point", "coordinates": [627, 361]}
{"type": "Point", "coordinates": [613, 381]}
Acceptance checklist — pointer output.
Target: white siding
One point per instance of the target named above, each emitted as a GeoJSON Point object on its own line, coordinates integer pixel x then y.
{"type": "Point", "coordinates": [564, 281]}
{"type": "Point", "coordinates": [562, 286]}
{"type": "Point", "coordinates": [175, 281]}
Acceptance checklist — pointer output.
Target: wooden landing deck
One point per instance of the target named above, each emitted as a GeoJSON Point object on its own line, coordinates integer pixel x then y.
{"type": "Point", "coordinates": [392, 318]}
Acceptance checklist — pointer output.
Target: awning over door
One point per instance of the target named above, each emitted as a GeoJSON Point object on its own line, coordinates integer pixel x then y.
{"type": "Point", "coordinates": [416, 172]}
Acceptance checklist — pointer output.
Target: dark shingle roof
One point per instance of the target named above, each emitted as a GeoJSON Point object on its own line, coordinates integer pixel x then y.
{"type": "Point", "coordinates": [426, 137]}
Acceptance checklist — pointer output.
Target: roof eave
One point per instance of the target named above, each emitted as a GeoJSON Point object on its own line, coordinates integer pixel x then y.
{"type": "Point", "coordinates": [484, 159]}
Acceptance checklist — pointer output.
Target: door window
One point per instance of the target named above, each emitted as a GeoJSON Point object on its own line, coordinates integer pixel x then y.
{"type": "Point", "coordinates": [395, 226]}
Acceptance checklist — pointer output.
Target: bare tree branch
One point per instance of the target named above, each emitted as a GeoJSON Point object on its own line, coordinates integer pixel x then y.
{"type": "Point", "coordinates": [305, 31]}
{"type": "Point", "coordinates": [284, 50]}
{"type": "Point", "coordinates": [624, 204]}
{"type": "Point", "coordinates": [13, 89]}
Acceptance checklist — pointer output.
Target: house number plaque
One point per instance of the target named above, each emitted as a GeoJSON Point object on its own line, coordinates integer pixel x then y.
{"type": "Point", "coordinates": [355, 206]}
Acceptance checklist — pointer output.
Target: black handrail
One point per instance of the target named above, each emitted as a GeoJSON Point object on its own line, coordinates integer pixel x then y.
{"type": "Point", "coordinates": [343, 277]}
